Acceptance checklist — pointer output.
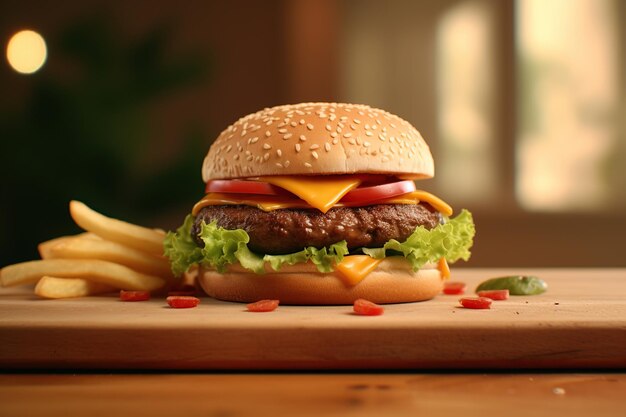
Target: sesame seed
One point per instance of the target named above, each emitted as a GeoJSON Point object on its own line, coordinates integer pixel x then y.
{"type": "Point", "coordinates": [333, 135]}
{"type": "Point", "coordinates": [312, 147]}
{"type": "Point", "coordinates": [286, 164]}
{"type": "Point", "coordinates": [247, 153]}
{"type": "Point", "coordinates": [327, 147]}
{"type": "Point", "coordinates": [306, 164]}
{"type": "Point", "coordinates": [297, 147]}
{"type": "Point", "coordinates": [341, 125]}
{"type": "Point", "coordinates": [279, 153]}
{"type": "Point", "coordinates": [309, 126]}
{"type": "Point", "coordinates": [381, 137]}
{"type": "Point", "coordinates": [266, 156]}
{"type": "Point", "coordinates": [366, 144]}
{"type": "Point", "coordinates": [302, 138]}
{"type": "Point", "coordinates": [374, 127]}
{"type": "Point", "coordinates": [293, 124]}
{"type": "Point", "coordinates": [300, 112]}
{"type": "Point", "coordinates": [302, 121]}
{"type": "Point", "coordinates": [279, 165]}
{"type": "Point", "coordinates": [268, 133]}
{"type": "Point", "coordinates": [392, 125]}
{"type": "Point", "coordinates": [357, 121]}
{"type": "Point", "coordinates": [236, 157]}
{"type": "Point", "coordinates": [315, 155]}
{"type": "Point", "coordinates": [347, 135]}
{"type": "Point", "coordinates": [283, 130]}
{"type": "Point", "coordinates": [378, 121]}
{"type": "Point", "coordinates": [267, 146]}
{"type": "Point", "coordinates": [339, 129]}
{"type": "Point", "coordinates": [368, 133]}
{"type": "Point", "coordinates": [359, 141]}
{"type": "Point", "coordinates": [332, 117]}
{"type": "Point", "coordinates": [335, 141]}
{"type": "Point", "coordinates": [287, 136]}
{"type": "Point", "coordinates": [249, 157]}
{"type": "Point", "coordinates": [329, 127]}
{"type": "Point", "coordinates": [244, 133]}
{"type": "Point", "coordinates": [254, 139]}
{"type": "Point", "coordinates": [351, 141]}
{"type": "Point", "coordinates": [353, 127]}
{"type": "Point", "coordinates": [228, 148]}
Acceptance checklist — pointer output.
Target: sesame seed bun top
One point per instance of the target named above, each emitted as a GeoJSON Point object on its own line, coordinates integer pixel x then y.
{"type": "Point", "coordinates": [318, 139]}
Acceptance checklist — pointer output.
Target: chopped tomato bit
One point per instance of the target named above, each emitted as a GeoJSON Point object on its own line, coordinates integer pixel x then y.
{"type": "Point", "coordinates": [495, 294]}
{"type": "Point", "coordinates": [367, 308]}
{"type": "Point", "coordinates": [134, 295]}
{"type": "Point", "coordinates": [181, 301]}
{"type": "Point", "coordinates": [263, 306]}
{"type": "Point", "coordinates": [454, 288]}
{"type": "Point", "coordinates": [475, 302]}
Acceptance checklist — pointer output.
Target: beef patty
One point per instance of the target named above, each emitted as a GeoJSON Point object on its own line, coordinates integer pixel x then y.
{"type": "Point", "coordinates": [291, 230]}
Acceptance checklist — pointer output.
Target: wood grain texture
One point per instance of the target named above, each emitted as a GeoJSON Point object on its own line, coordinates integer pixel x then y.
{"type": "Point", "coordinates": [154, 395]}
{"type": "Point", "coordinates": [579, 322]}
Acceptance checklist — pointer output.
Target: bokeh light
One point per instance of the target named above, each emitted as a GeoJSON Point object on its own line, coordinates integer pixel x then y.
{"type": "Point", "coordinates": [26, 51]}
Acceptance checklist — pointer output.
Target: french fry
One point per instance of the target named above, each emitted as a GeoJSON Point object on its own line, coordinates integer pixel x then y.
{"type": "Point", "coordinates": [138, 237]}
{"type": "Point", "coordinates": [95, 270]}
{"type": "Point", "coordinates": [54, 287]}
{"type": "Point", "coordinates": [78, 248]}
{"type": "Point", "coordinates": [44, 247]}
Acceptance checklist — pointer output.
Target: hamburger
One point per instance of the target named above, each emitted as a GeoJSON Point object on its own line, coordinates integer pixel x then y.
{"type": "Point", "coordinates": [316, 203]}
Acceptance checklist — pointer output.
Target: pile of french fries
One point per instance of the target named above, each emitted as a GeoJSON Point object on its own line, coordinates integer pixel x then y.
{"type": "Point", "coordinates": [111, 255]}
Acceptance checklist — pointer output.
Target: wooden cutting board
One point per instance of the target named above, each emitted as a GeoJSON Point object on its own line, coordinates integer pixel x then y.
{"type": "Point", "coordinates": [579, 322]}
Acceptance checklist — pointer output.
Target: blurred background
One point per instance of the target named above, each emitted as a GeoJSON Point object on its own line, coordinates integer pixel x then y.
{"type": "Point", "coordinates": [522, 101]}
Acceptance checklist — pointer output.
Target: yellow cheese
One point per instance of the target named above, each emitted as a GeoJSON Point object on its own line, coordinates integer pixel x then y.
{"type": "Point", "coordinates": [321, 192]}
{"type": "Point", "coordinates": [443, 267]}
{"type": "Point", "coordinates": [354, 268]}
{"type": "Point", "coordinates": [269, 203]}
{"type": "Point", "coordinates": [417, 196]}
{"type": "Point", "coordinates": [263, 202]}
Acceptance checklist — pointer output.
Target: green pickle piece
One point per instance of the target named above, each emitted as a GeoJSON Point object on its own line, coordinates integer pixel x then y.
{"type": "Point", "coordinates": [516, 284]}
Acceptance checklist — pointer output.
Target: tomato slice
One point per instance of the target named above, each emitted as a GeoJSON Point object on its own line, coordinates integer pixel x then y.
{"type": "Point", "coordinates": [367, 308]}
{"type": "Point", "coordinates": [180, 301]}
{"type": "Point", "coordinates": [379, 192]}
{"type": "Point", "coordinates": [495, 294]}
{"type": "Point", "coordinates": [134, 295]}
{"type": "Point", "coordinates": [263, 306]}
{"type": "Point", "coordinates": [475, 302]}
{"type": "Point", "coordinates": [243, 187]}
{"type": "Point", "coordinates": [454, 288]}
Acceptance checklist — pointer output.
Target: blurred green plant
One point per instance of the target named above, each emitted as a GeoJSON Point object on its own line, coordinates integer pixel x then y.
{"type": "Point", "coordinates": [88, 136]}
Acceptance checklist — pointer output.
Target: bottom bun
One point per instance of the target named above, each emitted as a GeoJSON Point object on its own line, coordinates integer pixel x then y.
{"type": "Point", "coordinates": [393, 281]}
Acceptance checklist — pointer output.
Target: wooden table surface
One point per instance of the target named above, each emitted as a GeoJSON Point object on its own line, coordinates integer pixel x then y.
{"type": "Point", "coordinates": [278, 394]}
{"type": "Point", "coordinates": [570, 393]}
{"type": "Point", "coordinates": [579, 322]}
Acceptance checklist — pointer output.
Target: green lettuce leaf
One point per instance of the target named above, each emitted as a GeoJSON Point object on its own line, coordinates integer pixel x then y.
{"type": "Point", "coordinates": [222, 247]}
{"type": "Point", "coordinates": [451, 240]}
{"type": "Point", "coordinates": [180, 248]}
{"type": "Point", "coordinates": [324, 258]}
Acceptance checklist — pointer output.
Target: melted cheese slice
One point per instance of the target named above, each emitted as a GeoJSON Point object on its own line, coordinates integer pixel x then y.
{"type": "Point", "coordinates": [354, 268]}
{"type": "Point", "coordinates": [269, 202]}
{"type": "Point", "coordinates": [415, 197]}
{"type": "Point", "coordinates": [443, 267]}
{"type": "Point", "coordinates": [320, 192]}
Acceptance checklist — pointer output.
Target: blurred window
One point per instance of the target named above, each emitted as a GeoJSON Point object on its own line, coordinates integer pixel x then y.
{"type": "Point", "coordinates": [529, 95]}
{"type": "Point", "coordinates": [570, 91]}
